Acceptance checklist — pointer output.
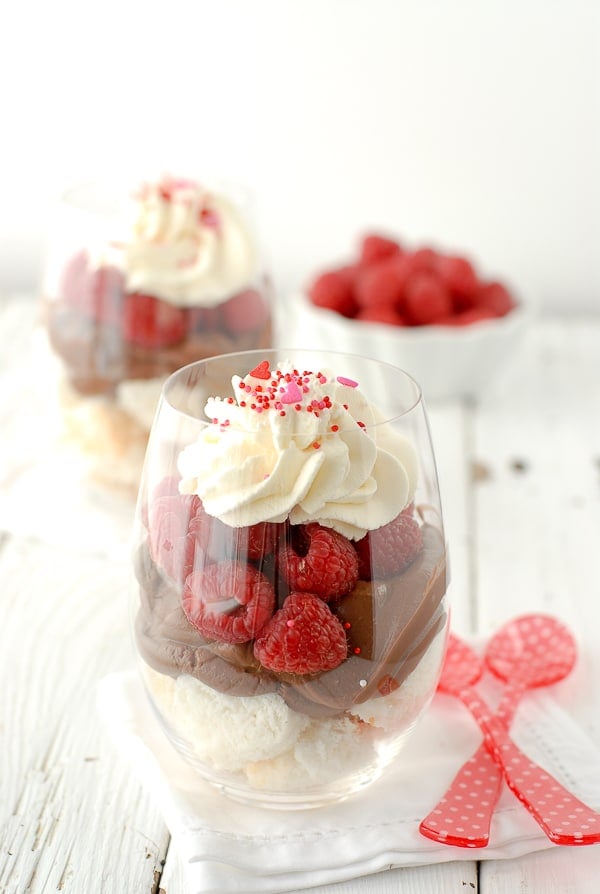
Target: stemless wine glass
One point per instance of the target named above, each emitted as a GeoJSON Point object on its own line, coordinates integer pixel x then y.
{"type": "Point", "coordinates": [289, 602]}
{"type": "Point", "coordinates": [140, 279]}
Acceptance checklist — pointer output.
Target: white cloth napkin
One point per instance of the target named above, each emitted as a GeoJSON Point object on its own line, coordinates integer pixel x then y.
{"type": "Point", "coordinates": [230, 847]}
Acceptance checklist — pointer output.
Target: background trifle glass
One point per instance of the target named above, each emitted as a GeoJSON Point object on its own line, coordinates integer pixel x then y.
{"type": "Point", "coordinates": [289, 607]}
{"type": "Point", "coordinates": [142, 278]}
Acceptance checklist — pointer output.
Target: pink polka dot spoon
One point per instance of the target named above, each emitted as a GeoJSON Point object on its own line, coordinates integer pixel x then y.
{"type": "Point", "coordinates": [531, 651]}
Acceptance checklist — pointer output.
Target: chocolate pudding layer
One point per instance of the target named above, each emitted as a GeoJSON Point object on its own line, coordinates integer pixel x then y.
{"type": "Point", "coordinates": [97, 358]}
{"type": "Point", "coordinates": [390, 625]}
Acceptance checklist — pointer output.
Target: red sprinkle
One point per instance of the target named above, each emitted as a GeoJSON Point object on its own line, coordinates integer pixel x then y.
{"type": "Point", "coordinates": [261, 371]}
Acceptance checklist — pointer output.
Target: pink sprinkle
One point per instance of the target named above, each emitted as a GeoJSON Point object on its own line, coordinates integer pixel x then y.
{"type": "Point", "coordinates": [349, 382]}
{"type": "Point", "coordinates": [290, 623]}
{"type": "Point", "coordinates": [209, 218]}
{"type": "Point", "coordinates": [291, 394]}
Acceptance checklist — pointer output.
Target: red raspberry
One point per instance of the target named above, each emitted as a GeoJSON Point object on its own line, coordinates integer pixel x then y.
{"type": "Point", "coordinates": [382, 283]}
{"type": "Point", "coordinates": [460, 279]}
{"type": "Point", "coordinates": [152, 323]}
{"type": "Point", "coordinates": [334, 290]}
{"type": "Point", "coordinates": [382, 314]}
{"type": "Point", "coordinates": [166, 487]}
{"type": "Point", "coordinates": [422, 260]}
{"type": "Point", "coordinates": [386, 551]}
{"type": "Point", "coordinates": [302, 637]}
{"type": "Point", "coordinates": [375, 248]}
{"type": "Point", "coordinates": [320, 561]}
{"type": "Point", "coordinates": [171, 547]}
{"type": "Point", "coordinates": [493, 296]}
{"type": "Point", "coordinates": [228, 601]}
{"type": "Point", "coordinates": [74, 282]}
{"type": "Point", "coordinates": [97, 294]}
{"type": "Point", "coordinates": [245, 312]}
{"type": "Point", "coordinates": [222, 542]}
{"type": "Point", "coordinates": [426, 299]}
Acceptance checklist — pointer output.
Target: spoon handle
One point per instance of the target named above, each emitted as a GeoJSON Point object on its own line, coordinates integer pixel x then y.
{"type": "Point", "coordinates": [563, 817]}
{"type": "Point", "coordinates": [463, 816]}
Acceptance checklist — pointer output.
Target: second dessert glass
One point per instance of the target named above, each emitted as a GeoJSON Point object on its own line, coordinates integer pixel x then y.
{"type": "Point", "coordinates": [141, 279]}
{"type": "Point", "coordinates": [289, 603]}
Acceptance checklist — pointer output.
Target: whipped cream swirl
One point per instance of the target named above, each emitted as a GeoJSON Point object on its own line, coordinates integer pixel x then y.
{"type": "Point", "coordinates": [184, 244]}
{"type": "Point", "coordinates": [299, 445]}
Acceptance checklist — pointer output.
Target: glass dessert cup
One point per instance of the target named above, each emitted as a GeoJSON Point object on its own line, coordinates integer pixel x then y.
{"type": "Point", "coordinates": [289, 606]}
{"type": "Point", "coordinates": [139, 282]}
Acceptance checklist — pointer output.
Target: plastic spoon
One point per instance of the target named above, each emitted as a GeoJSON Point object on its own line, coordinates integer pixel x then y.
{"type": "Point", "coordinates": [528, 652]}
{"type": "Point", "coordinates": [563, 817]}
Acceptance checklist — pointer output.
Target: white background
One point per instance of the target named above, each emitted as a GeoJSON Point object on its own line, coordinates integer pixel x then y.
{"type": "Point", "coordinates": [471, 125]}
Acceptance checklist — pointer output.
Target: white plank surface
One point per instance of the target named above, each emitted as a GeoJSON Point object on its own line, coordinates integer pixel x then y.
{"type": "Point", "coordinates": [520, 477]}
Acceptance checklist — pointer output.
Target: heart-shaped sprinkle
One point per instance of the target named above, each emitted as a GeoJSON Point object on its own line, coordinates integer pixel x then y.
{"type": "Point", "coordinates": [291, 394]}
{"type": "Point", "coordinates": [261, 371]}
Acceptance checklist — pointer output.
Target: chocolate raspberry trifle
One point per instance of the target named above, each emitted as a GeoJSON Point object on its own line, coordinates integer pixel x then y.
{"type": "Point", "coordinates": [290, 610]}
{"type": "Point", "coordinates": [140, 282]}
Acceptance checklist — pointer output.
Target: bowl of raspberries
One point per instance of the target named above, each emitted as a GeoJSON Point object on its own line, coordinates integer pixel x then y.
{"type": "Point", "coordinates": [434, 313]}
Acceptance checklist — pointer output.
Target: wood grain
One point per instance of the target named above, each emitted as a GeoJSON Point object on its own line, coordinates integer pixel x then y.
{"type": "Point", "coordinates": [520, 481]}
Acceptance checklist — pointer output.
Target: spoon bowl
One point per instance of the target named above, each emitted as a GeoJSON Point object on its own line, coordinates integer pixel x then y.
{"type": "Point", "coordinates": [532, 650]}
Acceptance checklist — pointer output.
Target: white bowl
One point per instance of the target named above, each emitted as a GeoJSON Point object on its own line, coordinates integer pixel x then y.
{"type": "Point", "coordinates": [448, 362]}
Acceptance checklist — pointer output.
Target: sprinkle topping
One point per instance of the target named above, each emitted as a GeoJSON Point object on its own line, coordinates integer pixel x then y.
{"type": "Point", "coordinates": [266, 389]}
{"type": "Point", "coordinates": [261, 371]}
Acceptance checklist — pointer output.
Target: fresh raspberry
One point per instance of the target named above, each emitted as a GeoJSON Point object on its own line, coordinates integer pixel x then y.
{"type": "Point", "coordinates": [228, 601]}
{"type": "Point", "coordinates": [245, 312]}
{"type": "Point", "coordinates": [302, 637]}
{"type": "Point", "coordinates": [375, 247]}
{"type": "Point", "coordinates": [426, 299]}
{"type": "Point", "coordinates": [460, 279]}
{"type": "Point", "coordinates": [320, 561]}
{"type": "Point", "coordinates": [152, 323]}
{"type": "Point", "coordinates": [382, 314]}
{"type": "Point", "coordinates": [260, 539]}
{"type": "Point", "coordinates": [386, 551]}
{"type": "Point", "coordinates": [382, 283]}
{"type": "Point", "coordinates": [74, 282]}
{"type": "Point", "coordinates": [334, 290]}
{"type": "Point", "coordinates": [495, 297]}
{"type": "Point", "coordinates": [423, 260]}
{"type": "Point", "coordinates": [97, 294]}
{"type": "Point", "coordinates": [221, 542]}
{"type": "Point", "coordinates": [171, 547]}
{"type": "Point", "coordinates": [166, 487]}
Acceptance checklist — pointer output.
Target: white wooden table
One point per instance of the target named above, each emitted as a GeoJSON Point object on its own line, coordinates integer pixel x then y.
{"type": "Point", "coordinates": [520, 475]}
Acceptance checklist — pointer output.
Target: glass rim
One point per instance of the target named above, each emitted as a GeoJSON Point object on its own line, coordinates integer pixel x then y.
{"type": "Point", "coordinates": [285, 353]}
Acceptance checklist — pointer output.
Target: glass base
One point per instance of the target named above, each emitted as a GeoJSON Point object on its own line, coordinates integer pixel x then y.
{"type": "Point", "coordinates": [314, 796]}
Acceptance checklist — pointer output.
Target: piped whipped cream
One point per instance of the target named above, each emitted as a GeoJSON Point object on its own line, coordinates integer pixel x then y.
{"type": "Point", "coordinates": [184, 244]}
{"type": "Point", "coordinates": [300, 445]}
